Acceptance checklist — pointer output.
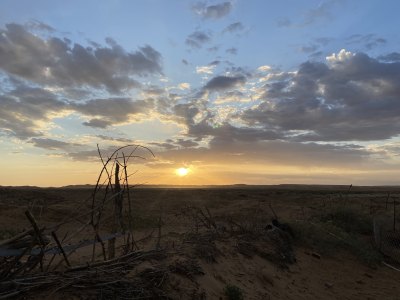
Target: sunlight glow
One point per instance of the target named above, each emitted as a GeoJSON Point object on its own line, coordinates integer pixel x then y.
{"type": "Point", "coordinates": [182, 171]}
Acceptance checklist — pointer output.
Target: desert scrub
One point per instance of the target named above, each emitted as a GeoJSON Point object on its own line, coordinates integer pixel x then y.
{"type": "Point", "coordinates": [143, 220]}
{"type": "Point", "coordinates": [7, 233]}
{"type": "Point", "coordinates": [327, 238]}
{"type": "Point", "coordinates": [349, 220]}
{"type": "Point", "coordinates": [232, 292]}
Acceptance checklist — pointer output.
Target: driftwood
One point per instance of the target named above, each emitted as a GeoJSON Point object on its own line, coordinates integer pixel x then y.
{"type": "Point", "coordinates": [105, 278]}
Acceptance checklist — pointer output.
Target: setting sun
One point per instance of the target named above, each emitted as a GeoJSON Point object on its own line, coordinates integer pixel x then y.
{"type": "Point", "coordinates": [182, 171]}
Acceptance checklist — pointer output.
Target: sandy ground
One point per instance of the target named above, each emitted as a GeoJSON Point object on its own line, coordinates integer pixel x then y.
{"type": "Point", "coordinates": [340, 275]}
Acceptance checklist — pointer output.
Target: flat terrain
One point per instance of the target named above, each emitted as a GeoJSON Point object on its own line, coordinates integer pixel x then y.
{"type": "Point", "coordinates": [220, 232]}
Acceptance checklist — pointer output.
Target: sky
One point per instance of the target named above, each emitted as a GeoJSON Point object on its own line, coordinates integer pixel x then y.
{"type": "Point", "coordinates": [250, 92]}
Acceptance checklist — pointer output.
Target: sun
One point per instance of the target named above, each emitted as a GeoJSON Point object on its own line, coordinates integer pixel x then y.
{"type": "Point", "coordinates": [182, 172]}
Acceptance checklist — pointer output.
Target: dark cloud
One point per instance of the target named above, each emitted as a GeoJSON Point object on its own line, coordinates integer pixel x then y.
{"type": "Point", "coordinates": [98, 123]}
{"type": "Point", "coordinates": [24, 110]}
{"type": "Point", "coordinates": [40, 26]}
{"type": "Point", "coordinates": [153, 90]}
{"type": "Point", "coordinates": [51, 144]}
{"type": "Point", "coordinates": [234, 28]}
{"type": "Point", "coordinates": [115, 139]}
{"type": "Point", "coordinates": [316, 55]}
{"type": "Point", "coordinates": [165, 145]}
{"type": "Point", "coordinates": [391, 57]}
{"type": "Point", "coordinates": [308, 49]}
{"type": "Point", "coordinates": [232, 51]}
{"type": "Point", "coordinates": [220, 83]}
{"type": "Point", "coordinates": [368, 41]}
{"type": "Point", "coordinates": [212, 12]}
{"type": "Point", "coordinates": [186, 143]}
{"type": "Point", "coordinates": [214, 63]}
{"type": "Point", "coordinates": [106, 151]}
{"type": "Point", "coordinates": [273, 153]}
{"type": "Point", "coordinates": [112, 110]}
{"type": "Point", "coordinates": [170, 144]}
{"type": "Point", "coordinates": [58, 62]}
{"type": "Point", "coordinates": [213, 49]}
{"type": "Point", "coordinates": [354, 97]}
{"type": "Point", "coordinates": [197, 39]}
{"type": "Point", "coordinates": [85, 155]}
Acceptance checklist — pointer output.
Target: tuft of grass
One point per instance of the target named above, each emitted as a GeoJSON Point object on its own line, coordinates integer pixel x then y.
{"type": "Point", "coordinates": [342, 229]}
{"type": "Point", "coordinates": [7, 233]}
{"type": "Point", "coordinates": [349, 220]}
{"type": "Point", "coordinates": [232, 292]}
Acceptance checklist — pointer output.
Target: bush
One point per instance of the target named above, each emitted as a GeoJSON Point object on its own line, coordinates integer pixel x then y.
{"type": "Point", "coordinates": [232, 292]}
{"type": "Point", "coordinates": [349, 220]}
{"type": "Point", "coordinates": [336, 234]}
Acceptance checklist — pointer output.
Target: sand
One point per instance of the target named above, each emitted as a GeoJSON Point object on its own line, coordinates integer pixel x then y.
{"type": "Point", "coordinates": [339, 275]}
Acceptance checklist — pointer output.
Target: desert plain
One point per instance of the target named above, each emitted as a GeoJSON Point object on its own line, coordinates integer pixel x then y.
{"type": "Point", "coordinates": [213, 242]}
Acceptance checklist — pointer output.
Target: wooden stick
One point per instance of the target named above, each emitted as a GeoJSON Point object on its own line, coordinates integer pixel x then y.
{"type": "Point", "coordinates": [17, 237]}
{"type": "Point", "coordinates": [61, 248]}
{"type": "Point", "coordinates": [394, 214]}
{"type": "Point", "coordinates": [35, 227]}
{"type": "Point", "coordinates": [103, 248]}
{"type": "Point", "coordinates": [387, 200]}
{"type": "Point", "coordinates": [273, 211]}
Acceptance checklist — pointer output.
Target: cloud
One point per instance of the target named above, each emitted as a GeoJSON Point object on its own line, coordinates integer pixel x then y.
{"type": "Point", "coordinates": [368, 41]}
{"type": "Point", "coordinates": [197, 39]}
{"type": "Point", "coordinates": [114, 139]}
{"type": "Point", "coordinates": [272, 153]}
{"type": "Point", "coordinates": [26, 111]}
{"type": "Point", "coordinates": [184, 86]}
{"type": "Point", "coordinates": [220, 83]}
{"type": "Point", "coordinates": [57, 62]}
{"type": "Point", "coordinates": [341, 57]}
{"type": "Point", "coordinates": [51, 144]}
{"type": "Point", "coordinates": [232, 51]}
{"type": "Point", "coordinates": [106, 151]}
{"type": "Point", "coordinates": [391, 57]}
{"type": "Point", "coordinates": [186, 143]}
{"type": "Point", "coordinates": [111, 110]}
{"type": "Point", "coordinates": [233, 28]}
{"type": "Point", "coordinates": [40, 26]}
{"type": "Point", "coordinates": [232, 96]}
{"type": "Point", "coordinates": [308, 49]}
{"type": "Point", "coordinates": [98, 123]}
{"type": "Point", "coordinates": [322, 12]}
{"type": "Point", "coordinates": [213, 49]}
{"type": "Point", "coordinates": [214, 63]}
{"type": "Point", "coordinates": [264, 68]}
{"type": "Point", "coordinates": [351, 97]}
{"type": "Point", "coordinates": [206, 69]}
{"type": "Point", "coordinates": [212, 12]}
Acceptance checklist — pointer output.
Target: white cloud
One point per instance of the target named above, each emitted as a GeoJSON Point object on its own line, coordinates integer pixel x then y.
{"type": "Point", "coordinates": [205, 69]}
{"type": "Point", "coordinates": [264, 68]}
{"type": "Point", "coordinates": [184, 86]}
{"type": "Point", "coordinates": [342, 56]}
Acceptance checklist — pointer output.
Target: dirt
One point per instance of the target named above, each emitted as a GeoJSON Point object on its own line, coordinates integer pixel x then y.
{"type": "Point", "coordinates": [215, 250]}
